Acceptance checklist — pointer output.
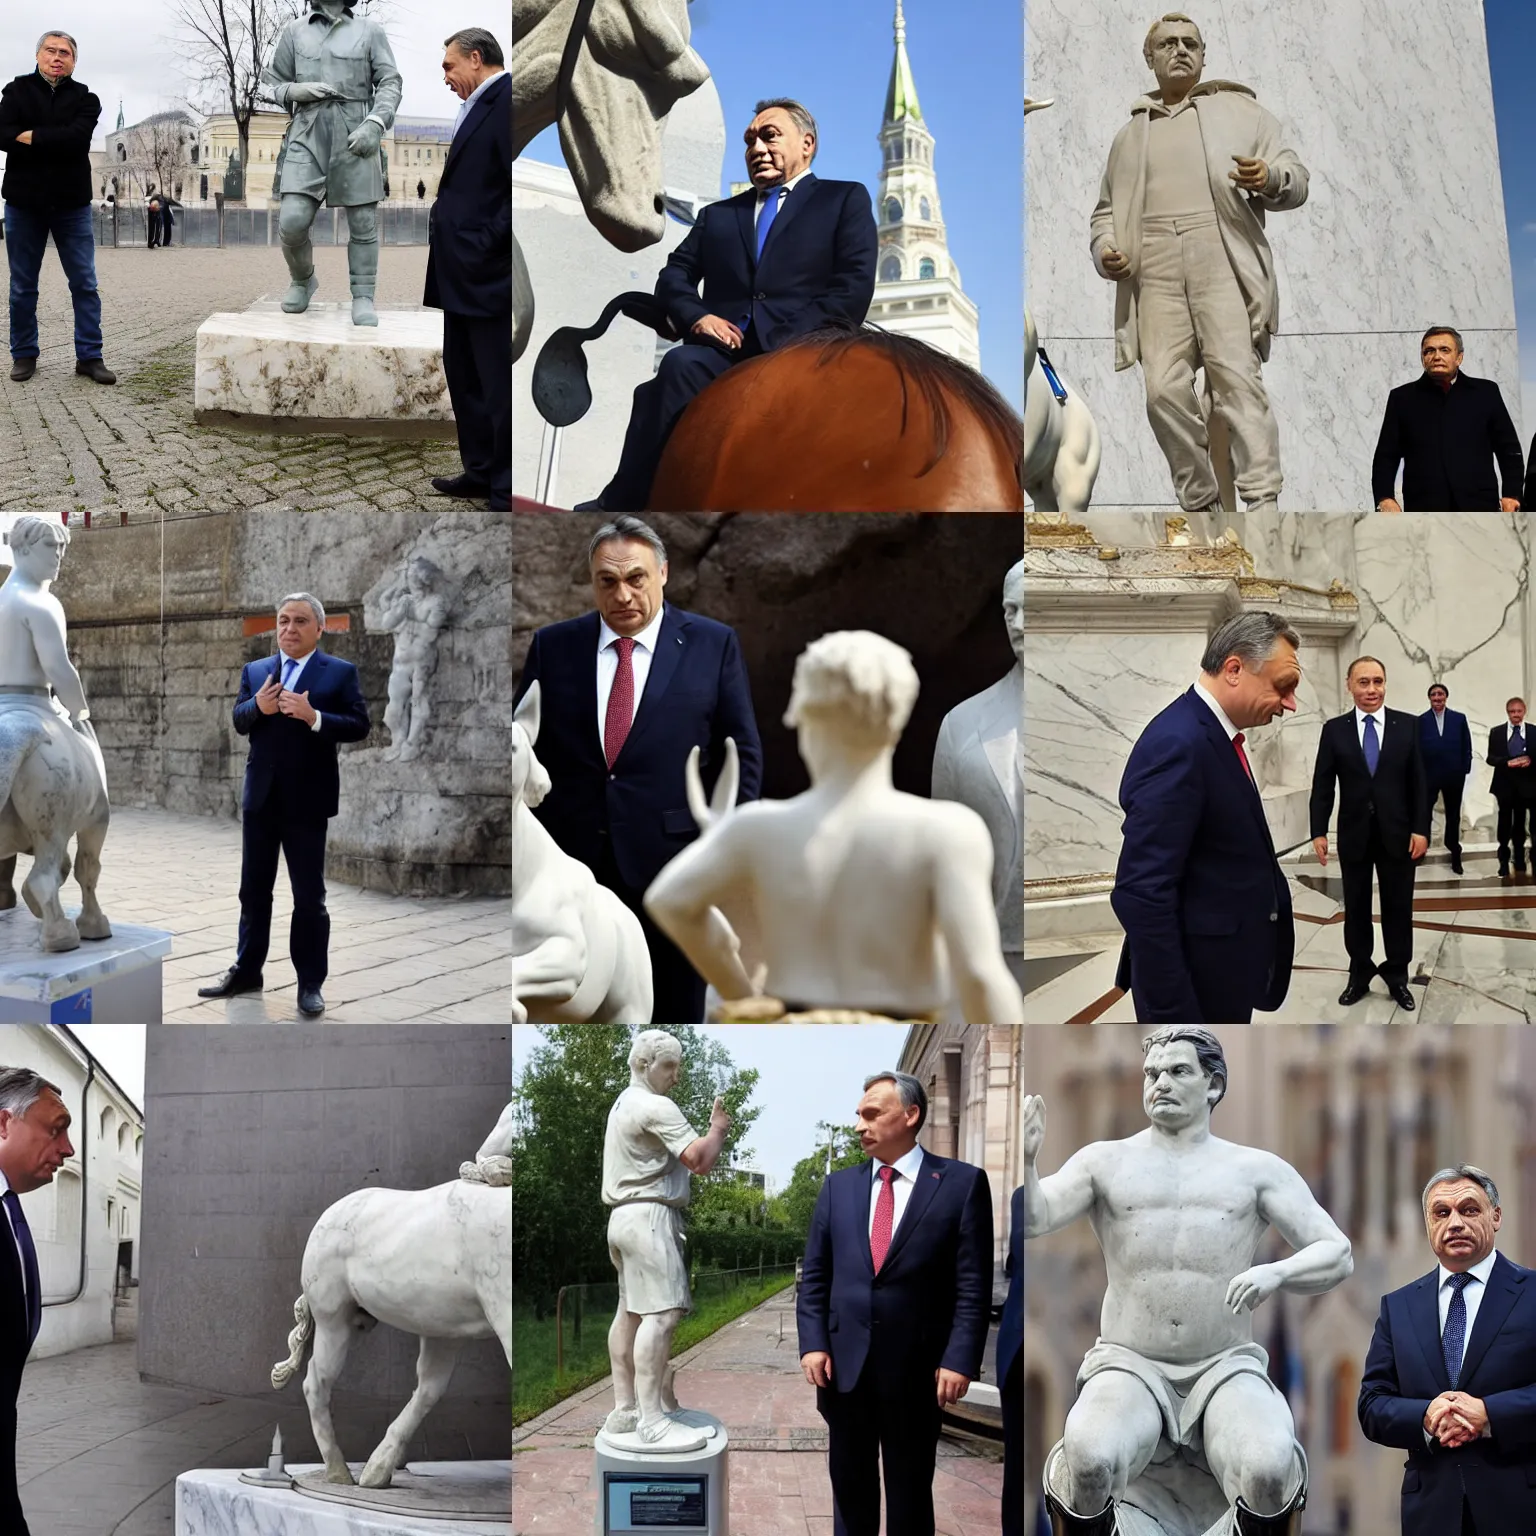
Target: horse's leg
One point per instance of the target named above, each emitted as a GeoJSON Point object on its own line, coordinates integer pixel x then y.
{"type": "Point", "coordinates": [92, 921]}
{"type": "Point", "coordinates": [434, 1367]}
{"type": "Point", "coordinates": [49, 861]}
{"type": "Point", "coordinates": [328, 1354]}
{"type": "Point", "coordinates": [1077, 459]}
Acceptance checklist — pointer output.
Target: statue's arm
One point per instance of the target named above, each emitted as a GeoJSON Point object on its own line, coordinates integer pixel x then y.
{"type": "Point", "coordinates": [1323, 1257]}
{"type": "Point", "coordinates": [985, 986]}
{"type": "Point", "coordinates": [388, 86]}
{"type": "Point", "coordinates": [683, 901]}
{"type": "Point", "coordinates": [1287, 184]}
{"type": "Point", "coordinates": [46, 623]}
{"type": "Point", "coordinates": [1061, 1198]}
{"type": "Point", "coordinates": [280, 72]}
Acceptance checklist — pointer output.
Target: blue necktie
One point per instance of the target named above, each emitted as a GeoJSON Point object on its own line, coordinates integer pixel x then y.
{"type": "Point", "coordinates": [1517, 742]}
{"type": "Point", "coordinates": [28, 1264]}
{"type": "Point", "coordinates": [765, 218]}
{"type": "Point", "coordinates": [1454, 1341]}
{"type": "Point", "coordinates": [1372, 746]}
{"type": "Point", "coordinates": [290, 666]}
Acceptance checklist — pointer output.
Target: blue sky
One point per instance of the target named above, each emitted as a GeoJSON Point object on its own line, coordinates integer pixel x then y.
{"type": "Point", "coordinates": [1511, 47]}
{"type": "Point", "coordinates": [967, 59]}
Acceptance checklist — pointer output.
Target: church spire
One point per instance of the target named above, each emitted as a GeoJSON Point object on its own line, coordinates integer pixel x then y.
{"type": "Point", "coordinates": [901, 94]}
{"type": "Point", "coordinates": [120, 124]}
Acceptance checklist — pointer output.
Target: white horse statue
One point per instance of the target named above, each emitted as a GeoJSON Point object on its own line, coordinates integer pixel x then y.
{"type": "Point", "coordinates": [578, 953]}
{"type": "Point", "coordinates": [434, 1262]}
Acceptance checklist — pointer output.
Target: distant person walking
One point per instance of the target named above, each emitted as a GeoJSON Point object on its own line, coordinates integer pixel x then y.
{"type": "Point", "coordinates": [46, 121]}
{"type": "Point", "coordinates": [167, 220]}
{"type": "Point", "coordinates": [153, 221]}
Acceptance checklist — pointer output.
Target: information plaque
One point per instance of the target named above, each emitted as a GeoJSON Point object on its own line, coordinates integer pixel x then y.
{"type": "Point", "coordinates": [642, 1501]}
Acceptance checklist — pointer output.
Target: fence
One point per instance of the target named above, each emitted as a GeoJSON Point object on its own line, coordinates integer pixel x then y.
{"type": "Point", "coordinates": [127, 225]}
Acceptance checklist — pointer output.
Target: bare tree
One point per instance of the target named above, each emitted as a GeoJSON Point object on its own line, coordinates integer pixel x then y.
{"type": "Point", "coordinates": [162, 146]}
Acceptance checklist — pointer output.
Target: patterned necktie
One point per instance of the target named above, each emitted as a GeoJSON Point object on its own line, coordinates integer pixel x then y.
{"type": "Point", "coordinates": [765, 218]}
{"type": "Point", "coordinates": [620, 713]}
{"type": "Point", "coordinates": [1242, 757]}
{"type": "Point", "coordinates": [28, 1264]}
{"type": "Point", "coordinates": [885, 1218]}
{"type": "Point", "coordinates": [1371, 745]}
{"type": "Point", "coordinates": [1454, 1341]}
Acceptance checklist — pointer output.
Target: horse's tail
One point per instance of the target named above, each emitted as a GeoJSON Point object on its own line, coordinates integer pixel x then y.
{"type": "Point", "coordinates": [298, 1342]}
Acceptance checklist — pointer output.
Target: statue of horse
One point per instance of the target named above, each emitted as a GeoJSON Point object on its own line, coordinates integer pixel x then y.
{"type": "Point", "coordinates": [433, 1262]}
{"type": "Point", "coordinates": [578, 953]}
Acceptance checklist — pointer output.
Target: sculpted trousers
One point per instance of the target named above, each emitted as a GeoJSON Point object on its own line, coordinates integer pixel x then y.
{"type": "Point", "coordinates": [301, 841]}
{"type": "Point", "coordinates": [1191, 312]}
{"type": "Point", "coordinates": [1394, 872]}
{"type": "Point", "coordinates": [1452, 792]}
{"type": "Point", "coordinates": [1512, 830]}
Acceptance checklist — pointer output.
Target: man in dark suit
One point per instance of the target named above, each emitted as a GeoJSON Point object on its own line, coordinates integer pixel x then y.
{"type": "Point", "coordinates": [1010, 1372]}
{"type": "Point", "coordinates": [296, 707]}
{"type": "Point", "coordinates": [1446, 429]}
{"type": "Point", "coordinates": [1373, 754]}
{"type": "Point", "coordinates": [469, 268]}
{"type": "Point", "coordinates": [34, 1143]}
{"type": "Point", "coordinates": [793, 254]}
{"type": "Point", "coordinates": [1528, 495]}
{"type": "Point", "coordinates": [1451, 1373]}
{"type": "Point", "coordinates": [892, 1309]}
{"type": "Point", "coordinates": [1513, 786]}
{"type": "Point", "coordinates": [1445, 744]}
{"type": "Point", "coordinates": [1205, 908]}
{"type": "Point", "coordinates": [628, 692]}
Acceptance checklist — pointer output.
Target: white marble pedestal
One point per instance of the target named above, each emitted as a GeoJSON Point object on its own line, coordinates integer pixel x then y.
{"type": "Point", "coordinates": [317, 372]}
{"type": "Point", "coordinates": [105, 981]}
{"type": "Point", "coordinates": [685, 1494]}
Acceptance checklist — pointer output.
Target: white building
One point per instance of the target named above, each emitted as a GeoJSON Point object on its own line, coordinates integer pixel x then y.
{"type": "Point", "coordinates": [85, 1224]}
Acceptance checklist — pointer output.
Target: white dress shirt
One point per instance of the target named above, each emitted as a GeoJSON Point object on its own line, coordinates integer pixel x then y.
{"type": "Point", "coordinates": [1439, 715]}
{"type": "Point", "coordinates": [1471, 1295]}
{"type": "Point", "coordinates": [781, 190]}
{"type": "Point", "coordinates": [639, 661]}
{"type": "Point", "coordinates": [293, 678]}
{"type": "Point", "coordinates": [1216, 709]}
{"type": "Point", "coordinates": [470, 100]}
{"type": "Point", "coordinates": [906, 1168]}
{"type": "Point", "coordinates": [21, 1263]}
{"type": "Point", "coordinates": [1379, 716]}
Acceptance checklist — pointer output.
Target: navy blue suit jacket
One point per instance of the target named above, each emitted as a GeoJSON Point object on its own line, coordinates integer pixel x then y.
{"type": "Point", "coordinates": [696, 694]}
{"type": "Point", "coordinates": [1010, 1331]}
{"type": "Point", "coordinates": [1197, 889]}
{"type": "Point", "coordinates": [1447, 757]}
{"type": "Point", "coordinates": [1405, 1372]}
{"type": "Point", "coordinates": [931, 1301]}
{"type": "Point", "coordinates": [818, 265]}
{"type": "Point", "coordinates": [287, 749]}
{"type": "Point", "coordinates": [469, 231]}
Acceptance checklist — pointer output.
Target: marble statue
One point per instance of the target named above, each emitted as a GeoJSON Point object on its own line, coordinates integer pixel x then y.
{"type": "Point", "coordinates": [433, 1262]}
{"type": "Point", "coordinates": [977, 762]}
{"type": "Point", "coordinates": [853, 895]}
{"type": "Point", "coordinates": [492, 1164]}
{"type": "Point", "coordinates": [649, 1155]}
{"type": "Point", "coordinates": [1179, 230]}
{"type": "Point", "coordinates": [578, 953]}
{"type": "Point", "coordinates": [53, 783]}
{"type": "Point", "coordinates": [336, 75]}
{"type": "Point", "coordinates": [631, 63]}
{"type": "Point", "coordinates": [415, 609]}
{"type": "Point", "coordinates": [1176, 1419]}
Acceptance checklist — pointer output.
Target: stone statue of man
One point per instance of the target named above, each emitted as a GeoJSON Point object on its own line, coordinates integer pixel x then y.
{"type": "Point", "coordinates": [650, 1153]}
{"type": "Point", "coordinates": [336, 75]}
{"type": "Point", "coordinates": [34, 654]}
{"type": "Point", "coordinates": [1179, 230]}
{"type": "Point", "coordinates": [1179, 1214]}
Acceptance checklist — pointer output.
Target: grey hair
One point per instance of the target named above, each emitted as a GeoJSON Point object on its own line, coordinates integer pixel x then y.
{"type": "Point", "coordinates": [798, 115]}
{"type": "Point", "coordinates": [1442, 330]}
{"type": "Point", "coordinates": [650, 1046]}
{"type": "Point", "coordinates": [304, 597]}
{"type": "Point", "coordinates": [29, 528]}
{"type": "Point", "coordinates": [470, 40]}
{"type": "Point", "coordinates": [628, 527]}
{"type": "Point", "coordinates": [1208, 1051]}
{"type": "Point", "coordinates": [1251, 637]}
{"type": "Point", "coordinates": [1462, 1171]}
{"type": "Point", "coordinates": [74, 47]}
{"type": "Point", "coordinates": [908, 1089]}
{"type": "Point", "coordinates": [21, 1088]}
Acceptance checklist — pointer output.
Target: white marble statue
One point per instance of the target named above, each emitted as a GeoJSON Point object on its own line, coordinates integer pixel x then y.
{"type": "Point", "coordinates": [650, 1153]}
{"type": "Point", "coordinates": [1176, 1418]}
{"type": "Point", "coordinates": [855, 895]}
{"type": "Point", "coordinates": [53, 783]}
{"type": "Point", "coordinates": [1179, 230]}
{"type": "Point", "coordinates": [415, 609]}
{"type": "Point", "coordinates": [578, 953]}
{"type": "Point", "coordinates": [492, 1164]}
{"type": "Point", "coordinates": [977, 762]}
{"type": "Point", "coordinates": [433, 1262]}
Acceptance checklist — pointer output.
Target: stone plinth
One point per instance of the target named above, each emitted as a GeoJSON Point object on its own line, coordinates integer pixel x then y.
{"type": "Point", "coordinates": [317, 372]}
{"type": "Point", "coordinates": [105, 981]}
{"type": "Point", "coordinates": [687, 1493]}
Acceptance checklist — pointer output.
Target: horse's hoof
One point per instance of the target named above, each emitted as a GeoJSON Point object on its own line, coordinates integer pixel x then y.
{"type": "Point", "coordinates": [376, 1476]}
{"type": "Point", "coordinates": [94, 927]}
{"type": "Point", "coordinates": [61, 939]}
{"type": "Point", "coordinates": [341, 1474]}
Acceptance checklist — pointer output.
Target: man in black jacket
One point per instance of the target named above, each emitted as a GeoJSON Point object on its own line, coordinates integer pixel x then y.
{"type": "Point", "coordinates": [46, 122]}
{"type": "Point", "coordinates": [1443, 429]}
{"type": "Point", "coordinates": [1513, 786]}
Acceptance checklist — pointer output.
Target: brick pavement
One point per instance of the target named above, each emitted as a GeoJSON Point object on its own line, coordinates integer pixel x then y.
{"type": "Point", "coordinates": [67, 444]}
{"type": "Point", "coordinates": [748, 1374]}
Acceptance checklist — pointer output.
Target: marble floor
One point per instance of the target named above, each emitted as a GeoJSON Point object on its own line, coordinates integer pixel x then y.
{"type": "Point", "coordinates": [1474, 955]}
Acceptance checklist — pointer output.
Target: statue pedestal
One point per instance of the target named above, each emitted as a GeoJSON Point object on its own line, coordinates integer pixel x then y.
{"type": "Point", "coordinates": [317, 372]}
{"type": "Point", "coordinates": [105, 981]}
{"type": "Point", "coordinates": [686, 1493]}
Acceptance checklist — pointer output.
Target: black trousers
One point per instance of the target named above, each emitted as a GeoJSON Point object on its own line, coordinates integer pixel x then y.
{"type": "Point", "coordinates": [1012, 1395]}
{"type": "Point", "coordinates": [889, 1422]}
{"type": "Point", "coordinates": [678, 988]}
{"type": "Point", "coordinates": [1512, 831]}
{"type": "Point", "coordinates": [1394, 872]}
{"type": "Point", "coordinates": [301, 841]}
{"type": "Point", "coordinates": [477, 363]}
{"type": "Point", "coordinates": [1452, 792]}
{"type": "Point", "coordinates": [12, 1520]}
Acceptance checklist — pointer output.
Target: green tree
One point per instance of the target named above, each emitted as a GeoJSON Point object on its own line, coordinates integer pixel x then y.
{"type": "Point", "coordinates": [799, 1197]}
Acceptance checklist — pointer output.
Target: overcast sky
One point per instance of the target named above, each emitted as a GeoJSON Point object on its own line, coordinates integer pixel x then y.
{"type": "Point", "coordinates": [120, 1049]}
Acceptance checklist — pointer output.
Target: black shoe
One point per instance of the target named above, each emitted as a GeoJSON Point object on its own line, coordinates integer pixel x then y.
{"type": "Point", "coordinates": [94, 368]}
{"type": "Point", "coordinates": [23, 368]}
{"type": "Point", "coordinates": [498, 502]}
{"type": "Point", "coordinates": [311, 1004]}
{"type": "Point", "coordinates": [1401, 995]}
{"type": "Point", "coordinates": [1456, 868]}
{"type": "Point", "coordinates": [463, 486]}
{"type": "Point", "coordinates": [231, 984]}
{"type": "Point", "coordinates": [595, 505]}
{"type": "Point", "coordinates": [1354, 990]}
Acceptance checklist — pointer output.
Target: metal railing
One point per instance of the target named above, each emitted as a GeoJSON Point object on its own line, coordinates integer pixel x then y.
{"type": "Point", "coordinates": [126, 225]}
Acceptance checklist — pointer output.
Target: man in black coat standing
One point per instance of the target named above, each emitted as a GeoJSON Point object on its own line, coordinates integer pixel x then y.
{"type": "Point", "coordinates": [1445, 429]}
{"type": "Point", "coordinates": [46, 122]}
{"type": "Point", "coordinates": [1445, 744]}
{"type": "Point", "coordinates": [469, 267]}
{"type": "Point", "coordinates": [1513, 786]}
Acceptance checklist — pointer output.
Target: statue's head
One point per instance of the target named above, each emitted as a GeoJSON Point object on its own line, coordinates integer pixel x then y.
{"type": "Point", "coordinates": [1175, 53]}
{"type": "Point", "coordinates": [37, 546]}
{"type": "Point", "coordinates": [1013, 609]}
{"type": "Point", "coordinates": [656, 1058]}
{"type": "Point", "coordinates": [853, 692]}
{"type": "Point", "coordinates": [1184, 1076]}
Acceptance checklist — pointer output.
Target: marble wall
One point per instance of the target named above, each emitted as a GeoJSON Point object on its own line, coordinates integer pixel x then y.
{"type": "Point", "coordinates": [1404, 225]}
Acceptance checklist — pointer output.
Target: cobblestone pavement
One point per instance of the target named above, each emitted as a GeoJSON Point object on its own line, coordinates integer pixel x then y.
{"type": "Point", "coordinates": [748, 1375]}
{"type": "Point", "coordinates": [70, 445]}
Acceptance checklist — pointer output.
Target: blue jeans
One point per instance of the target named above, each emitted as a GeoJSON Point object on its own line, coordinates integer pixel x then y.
{"type": "Point", "coordinates": [26, 238]}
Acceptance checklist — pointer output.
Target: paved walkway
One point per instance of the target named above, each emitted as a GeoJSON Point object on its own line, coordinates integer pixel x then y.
{"type": "Point", "coordinates": [747, 1374]}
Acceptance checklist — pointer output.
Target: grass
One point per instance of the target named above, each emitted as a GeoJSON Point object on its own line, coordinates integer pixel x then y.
{"type": "Point", "coordinates": [587, 1312]}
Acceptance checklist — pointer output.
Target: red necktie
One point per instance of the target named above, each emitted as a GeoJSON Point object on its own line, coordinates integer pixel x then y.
{"type": "Point", "coordinates": [885, 1218]}
{"type": "Point", "coordinates": [1242, 757]}
{"type": "Point", "coordinates": [621, 701]}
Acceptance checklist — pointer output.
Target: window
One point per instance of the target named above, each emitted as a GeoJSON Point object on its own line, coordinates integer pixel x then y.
{"type": "Point", "coordinates": [890, 270]}
{"type": "Point", "coordinates": [924, 209]}
{"type": "Point", "coordinates": [892, 211]}
{"type": "Point", "coordinates": [925, 267]}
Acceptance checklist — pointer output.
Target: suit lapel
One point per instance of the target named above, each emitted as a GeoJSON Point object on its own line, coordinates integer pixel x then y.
{"type": "Point", "coordinates": [1232, 767]}
{"type": "Point", "coordinates": [670, 646]}
{"type": "Point", "coordinates": [1504, 1289]}
{"type": "Point", "coordinates": [1424, 1313]}
{"type": "Point", "coordinates": [797, 198]}
{"type": "Point", "coordinates": [592, 736]}
{"type": "Point", "coordinates": [924, 1188]}
{"type": "Point", "coordinates": [860, 1192]}
{"type": "Point", "coordinates": [746, 206]}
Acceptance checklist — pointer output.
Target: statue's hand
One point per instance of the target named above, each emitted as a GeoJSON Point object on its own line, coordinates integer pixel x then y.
{"type": "Point", "coordinates": [1116, 264]}
{"type": "Point", "coordinates": [1251, 175]}
{"type": "Point", "coordinates": [719, 1120]}
{"type": "Point", "coordinates": [1034, 1126]}
{"type": "Point", "coordinates": [1252, 1287]}
{"type": "Point", "coordinates": [303, 92]}
{"type": "Point", "coordinates": [364, 139]}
